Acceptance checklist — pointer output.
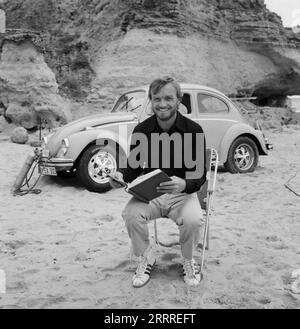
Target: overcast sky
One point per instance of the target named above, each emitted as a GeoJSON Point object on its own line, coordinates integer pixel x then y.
{"type": "Point", "coordinates": [289, 10]}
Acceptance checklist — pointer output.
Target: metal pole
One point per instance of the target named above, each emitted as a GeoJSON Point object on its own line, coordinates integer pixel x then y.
{"type": "Point", "coordinates": [205, 235]}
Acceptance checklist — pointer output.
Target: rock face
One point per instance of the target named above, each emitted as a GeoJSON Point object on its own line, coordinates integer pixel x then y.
{"type": "Point", "coordinates": [239, 20]}
{"type": "Point", "coordinates": [28, 89]}
{"type": "Point", "coordinates": [2, 123]}
{"type": "Point", "coordinates": [237, 46]}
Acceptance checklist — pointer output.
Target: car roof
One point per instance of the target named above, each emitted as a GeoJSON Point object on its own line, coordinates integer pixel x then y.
{"type": "Point", "coordinates": [184, 86]}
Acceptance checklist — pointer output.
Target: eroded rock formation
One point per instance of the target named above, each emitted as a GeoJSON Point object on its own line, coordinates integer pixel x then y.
{"type": "Point", "coordinates": [28, 89]}
{"type": "Point", "coordinates": [98, 48]}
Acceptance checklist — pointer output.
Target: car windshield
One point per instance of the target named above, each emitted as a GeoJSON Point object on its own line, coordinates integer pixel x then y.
{"type": "Point", "coordinates": [130, 102]}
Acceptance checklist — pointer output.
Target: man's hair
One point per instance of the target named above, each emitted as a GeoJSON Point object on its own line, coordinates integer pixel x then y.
{"type": "Point", "coordinates": [157, 84]}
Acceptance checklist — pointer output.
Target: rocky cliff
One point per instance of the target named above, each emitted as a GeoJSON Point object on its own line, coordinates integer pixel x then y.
{"type": "Point", "coordinates": [98, 48]}
{"type": "Point", "coordinates": [28, 88]}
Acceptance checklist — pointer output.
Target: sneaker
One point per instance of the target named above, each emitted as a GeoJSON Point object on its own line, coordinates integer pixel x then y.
{"type": "Point", "coordinates": [143, 271]}
{"type": "Point", "coordinates": [191, 274]}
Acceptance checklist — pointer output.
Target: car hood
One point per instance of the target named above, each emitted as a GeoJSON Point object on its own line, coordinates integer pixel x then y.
{"type": "Point", "coordinates": [93, 121]}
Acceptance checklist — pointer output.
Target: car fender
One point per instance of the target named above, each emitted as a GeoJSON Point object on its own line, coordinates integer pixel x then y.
{"type": "Point", "coordinates": [82, 139]}
{"type": "Point", "coordinates": [233, 133]}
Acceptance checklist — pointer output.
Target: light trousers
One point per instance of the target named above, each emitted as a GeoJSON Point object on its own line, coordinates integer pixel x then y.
{"type": "Point", "coordinates": [184, 209]}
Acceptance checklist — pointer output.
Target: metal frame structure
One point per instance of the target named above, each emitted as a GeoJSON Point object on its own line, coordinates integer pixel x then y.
{"type": "Point", "coordinates": [205, 196]}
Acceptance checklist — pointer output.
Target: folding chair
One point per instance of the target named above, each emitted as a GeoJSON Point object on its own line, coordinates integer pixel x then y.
{"type": "Point", "coordinates": [205, 197]}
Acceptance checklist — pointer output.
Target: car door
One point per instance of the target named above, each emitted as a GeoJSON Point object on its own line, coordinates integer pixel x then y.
{"type": "Point", "coordinates": [214, 116]}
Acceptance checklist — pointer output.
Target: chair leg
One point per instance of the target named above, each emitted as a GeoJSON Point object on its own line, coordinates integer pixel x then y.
{"type": "Point", "coordinates": [207, 236]}
{"type": "Point", "coordinates": [206, 233]}
{"type": "Point", "coordinates": [204, 243]}
{"type": "Point", "coordinates": [208, 211]}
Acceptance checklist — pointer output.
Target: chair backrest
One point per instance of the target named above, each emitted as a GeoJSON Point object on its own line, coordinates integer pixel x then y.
{"type": "Point", "coordinates": [211, 174]}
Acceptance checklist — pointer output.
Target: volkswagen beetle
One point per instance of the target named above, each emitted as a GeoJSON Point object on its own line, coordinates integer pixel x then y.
{"type": "Point", "coordinates": [80, 147]}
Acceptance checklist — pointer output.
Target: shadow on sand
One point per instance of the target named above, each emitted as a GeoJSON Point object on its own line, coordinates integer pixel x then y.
{"type": "Point", "coordinates": [62, 182]}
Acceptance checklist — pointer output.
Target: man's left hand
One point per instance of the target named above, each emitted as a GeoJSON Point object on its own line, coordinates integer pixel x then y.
{"type": "Point", "coordinates": [176, 185]}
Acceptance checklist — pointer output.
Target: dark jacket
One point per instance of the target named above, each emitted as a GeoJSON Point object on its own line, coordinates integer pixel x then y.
{"type": "Point", "coordinates": [154, 155]}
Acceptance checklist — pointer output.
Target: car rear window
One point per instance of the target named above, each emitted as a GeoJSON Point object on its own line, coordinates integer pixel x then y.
{"type": "Point", "coordinates": [211, 104]}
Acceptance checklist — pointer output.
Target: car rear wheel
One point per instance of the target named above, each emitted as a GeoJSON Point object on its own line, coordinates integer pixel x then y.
{"type": "Point", "coordinates": [94, 164]}
{"type": "Point", "coordinates": [242, 156]}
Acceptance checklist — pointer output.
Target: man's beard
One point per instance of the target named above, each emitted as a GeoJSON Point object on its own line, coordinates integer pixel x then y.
{"type": "Point", "coordinates": [172, 112]}
{"type": "Point", "coordinates": [170, 116]}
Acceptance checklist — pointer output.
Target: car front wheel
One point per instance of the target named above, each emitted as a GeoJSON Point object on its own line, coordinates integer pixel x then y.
{"type": "Point", "coordinates": [242, 156]}
{"type": "Point", "coordinates": [94, 164]}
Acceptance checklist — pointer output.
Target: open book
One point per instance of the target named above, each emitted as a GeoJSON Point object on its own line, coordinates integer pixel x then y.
{"type": "Point", "coordinates": [144, 187]}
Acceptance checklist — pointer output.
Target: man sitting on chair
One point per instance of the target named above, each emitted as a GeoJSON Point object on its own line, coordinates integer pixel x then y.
{"type": "Point", "coordinates": [180, 201]}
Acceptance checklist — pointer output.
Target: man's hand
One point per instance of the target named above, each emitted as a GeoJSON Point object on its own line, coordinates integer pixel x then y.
{"type": "Point", "coordinates": [119, 177]}
{"type": "Point", "coordinates": [176, 185]}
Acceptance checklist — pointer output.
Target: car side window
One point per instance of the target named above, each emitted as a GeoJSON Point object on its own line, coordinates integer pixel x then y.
{"type": "Point", "coordinates": [211, 104]}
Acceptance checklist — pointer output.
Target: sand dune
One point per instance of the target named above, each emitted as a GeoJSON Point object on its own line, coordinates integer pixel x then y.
{"type": "Point", "coordinates": [68, 248]}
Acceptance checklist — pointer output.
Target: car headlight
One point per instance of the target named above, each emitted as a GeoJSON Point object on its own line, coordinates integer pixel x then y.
{"type": "Point", "coordinates": [46, 139]}
{"type": "Point", "coordinates": [65, 144]}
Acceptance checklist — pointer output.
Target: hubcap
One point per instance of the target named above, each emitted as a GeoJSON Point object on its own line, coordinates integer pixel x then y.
{"type": "Point", "coordinates": [244, 157]}
{"type": "Point", "coordinates": [100, 164]}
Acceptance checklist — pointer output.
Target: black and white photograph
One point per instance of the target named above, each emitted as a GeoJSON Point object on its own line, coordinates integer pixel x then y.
{"type": "Point", "coordinates": [150, 156]}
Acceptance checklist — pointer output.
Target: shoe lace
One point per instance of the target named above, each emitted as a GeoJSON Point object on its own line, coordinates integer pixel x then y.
{"type": "Point", "coordinates": [141, 266]}
{"type": "Point", "coordinates": [189, 267]}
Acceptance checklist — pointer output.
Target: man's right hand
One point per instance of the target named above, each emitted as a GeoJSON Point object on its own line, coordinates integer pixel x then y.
{"type": "Point", "coordinates": [118, 176]}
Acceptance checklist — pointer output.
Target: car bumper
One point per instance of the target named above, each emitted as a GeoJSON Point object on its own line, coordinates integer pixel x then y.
{"type": "Point", "coordinates": [269, 146]}
{"type": "Point", "coordinates": [53, 165]}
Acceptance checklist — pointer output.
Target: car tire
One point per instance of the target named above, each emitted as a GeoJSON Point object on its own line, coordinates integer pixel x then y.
{"type": "Point", "coordinates": [89, 172]}
{"type": "Point", "coordinates": [242, 156]}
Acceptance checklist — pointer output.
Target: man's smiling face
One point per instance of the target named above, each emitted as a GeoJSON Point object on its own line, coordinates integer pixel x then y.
{"type": "Point", "coordinates": [165, 103]}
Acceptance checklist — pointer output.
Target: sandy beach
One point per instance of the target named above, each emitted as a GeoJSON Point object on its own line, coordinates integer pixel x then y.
{"type": "Point", "coordinates": [68, 248]}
